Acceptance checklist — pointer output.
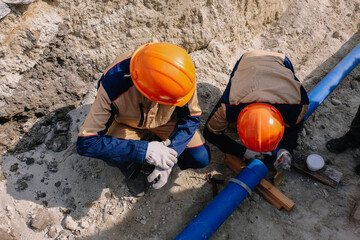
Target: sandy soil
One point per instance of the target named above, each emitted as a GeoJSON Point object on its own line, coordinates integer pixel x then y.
{"type": "Point", "coordinates": [51, 192]}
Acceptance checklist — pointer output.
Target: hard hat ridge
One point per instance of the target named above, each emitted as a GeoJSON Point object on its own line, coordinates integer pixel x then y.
{"type": "Point", "coordinates": [260, 127]}
{"type": "Point", "coordinates": [163, 73]}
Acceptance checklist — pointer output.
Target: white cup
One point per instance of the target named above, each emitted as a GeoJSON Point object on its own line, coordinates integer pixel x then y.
{"type": "Point", "coordinates": [315, 162]}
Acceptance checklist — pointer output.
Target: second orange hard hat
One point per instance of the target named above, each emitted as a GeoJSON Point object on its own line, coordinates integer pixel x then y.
{"type": "Point", "coordinates": [260, 127]}
{"type": "Point", "coordinates": [164, 73]}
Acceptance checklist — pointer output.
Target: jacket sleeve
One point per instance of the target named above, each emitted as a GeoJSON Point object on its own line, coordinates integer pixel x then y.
{"type": "Point", "coordinates": [291, 134]}
{"type": "Point", "coordinates": [214, 132]}
{"type": "Point", "coordinates": [188, 121]}
{"type": "Point", "coordinates": [92, 141]}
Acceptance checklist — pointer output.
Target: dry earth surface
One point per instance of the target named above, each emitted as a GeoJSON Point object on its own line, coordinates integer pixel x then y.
{"type": "Point", "coordinates": [53, 52]}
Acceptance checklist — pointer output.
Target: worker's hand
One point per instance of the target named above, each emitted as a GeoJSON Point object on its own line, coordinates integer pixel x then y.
{"type": "Point", "coordinates": [160, 176]}
{"type": "Point", "coordinates": [283, 160]}
{"type": "Point", "coordinates": [250, 155]}
{"type": "Point", "coordinates": [160, 155]}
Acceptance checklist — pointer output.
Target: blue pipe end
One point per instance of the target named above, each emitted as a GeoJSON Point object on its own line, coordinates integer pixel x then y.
{"type": "Point", "coordinates": [221, 207]}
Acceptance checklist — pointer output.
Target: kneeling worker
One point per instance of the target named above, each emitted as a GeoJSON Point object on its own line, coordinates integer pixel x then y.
{"type": "Point", "coordinates": [267, 102]}
{"type": "Point", "coordinates": [151, 90]}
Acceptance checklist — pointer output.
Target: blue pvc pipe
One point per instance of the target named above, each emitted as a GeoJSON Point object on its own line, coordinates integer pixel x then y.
{"type": "Point", "coordinates": [318, 94]}
{"type": "Point", "coordinates": [221, 207]}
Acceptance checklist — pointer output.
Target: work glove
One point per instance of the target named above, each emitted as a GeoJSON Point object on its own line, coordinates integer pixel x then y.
{"type": "Point", "coordinates": [160, 155]}
{"type": "Point", "coordinates": [283, 160]}
{"type": "Point", "coordinates": [160, 176]}
{"type": "Point", "coordinates": [250, 155]}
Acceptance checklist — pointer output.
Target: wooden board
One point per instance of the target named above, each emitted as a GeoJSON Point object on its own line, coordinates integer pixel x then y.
{"type": "Point", "coordinates": [265, 188]}
{"type": "Point", "coordinates": [275, 193]}
{"type": "Point", "coordinates": [278, 178]}
{"type": "Point", "coordinates": [326, 175]}
{"type": "Point", "coordinates": [268, 197]}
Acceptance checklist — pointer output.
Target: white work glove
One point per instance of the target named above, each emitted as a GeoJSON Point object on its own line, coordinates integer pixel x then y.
{"type": "Point", "coordinates": [160, 155]}
{"type": "Point", "coordinates": [283, 160]}
{"type": "Point", "coordinates": [250, 155]}
{"type": "Point", "coordinates": [160, 175]}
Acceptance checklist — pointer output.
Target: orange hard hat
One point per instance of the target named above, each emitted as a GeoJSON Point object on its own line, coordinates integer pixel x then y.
{"type": "Point", "coordinates": [164, 73]}
{"type": "Point", "coordinates": [260, 127]}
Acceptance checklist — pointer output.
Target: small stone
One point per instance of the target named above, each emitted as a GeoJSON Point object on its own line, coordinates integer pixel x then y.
{"type": "Point", "coordinates": [52, 166]}
{"type": "Point", "coordinates": [14, 167]}
{"type": "Point", "coordinates": [45, 203]}
{"type": "Point", "coordinates": [318, 227]}
{"type": "Point", "coordinates": [57, 144]}
{"type": "Point", "coordinates": [143, 221]}
{"type": "Point", "coordinates": [335, 101]}
{"type": "Point", "coordinates": [41, 194]}
{"type": "Point", "coordinates": [21, 185]}
{"type": "Point", "coordinates": [356, 214]}
{"type": "Point", "coordinates": [354, 85]}
{"type": "Point", "coordinates": [65, 235]}
{"type": "Point", "coordinates": [57, 184]}
{"type": "Point", "coordinates": [30, 161]}
{"type": "Point", "coordinates": [336, 35]}
{"type": "Point", "coordinates": [108, 195]}
{"type": "Point", "coordinates": [27, 177]}
{"type": "Point", "coordinates": [70, 203]}
{"type": "Point", "coordinates": [62, 126]}
{"type": "Point", "coordinates": [84, 224]}
{"type": "Point", "coordinates": [326, 194]}
{"type": "Point", "coordinates": [4, 10]}
{"type": "Point", "coordinates": [70, 223]}
{"type": "Point", "coordinates": [41, 220]}
{"type": "Point", "coordinates": [252, 218]}
{"type": "Point", "coordinates": [66, 190]}
{"type": "Point", "coordinates": [52, 232]}
{"type": "Point", "coordinates": [9, 208]}
{"type": "Point", "coordinates": [4, 235]}
{"type": "Point", "coordinates": [65, 210]}
{"type": "Point", "coordinates": [303, 132]}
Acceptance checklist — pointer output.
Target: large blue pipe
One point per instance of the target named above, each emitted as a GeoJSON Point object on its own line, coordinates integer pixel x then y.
{"type": "Point", "coordinates": [221, 207]}
{"type": "Point", "coordinates": [318, 94]}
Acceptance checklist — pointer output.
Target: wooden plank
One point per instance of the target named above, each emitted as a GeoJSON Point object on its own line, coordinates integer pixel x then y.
{"type": "Point", "coordinates": [268, 197]}
{"type": "Point", "coordinates": [265, 189]}
{"type": "Point", "coordinates": [234, 163]}
{"type": "Point", "coordinates": [326, 175]}
{"type": "Point", "coordinates": [279, 176]}
{"type": "Point", "coordinates": [275, 193]}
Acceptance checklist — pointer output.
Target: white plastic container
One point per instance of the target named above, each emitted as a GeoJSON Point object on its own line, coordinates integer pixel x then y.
{"type": "Point", "coordinates": [315, 162]}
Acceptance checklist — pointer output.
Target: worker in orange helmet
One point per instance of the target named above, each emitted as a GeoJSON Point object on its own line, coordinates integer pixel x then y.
{"type": "Point", "coordinates": [152, 90]}
{"type": "Point", "coordinates": [267, 102]}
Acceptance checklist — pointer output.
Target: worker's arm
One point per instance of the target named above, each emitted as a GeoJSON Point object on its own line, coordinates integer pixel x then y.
{"type": "Point", "coordinates": [291, 134]}
{"type": "Point", "coordinates": [214, 132]}
{"type": "Point", "coordinates": [188, 121]}
{"type": "Point", "coordinates": [92, 141]}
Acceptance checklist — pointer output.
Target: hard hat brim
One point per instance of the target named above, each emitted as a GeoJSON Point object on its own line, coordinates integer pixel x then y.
{"type": "Point", "coordinates": [186, 99]}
